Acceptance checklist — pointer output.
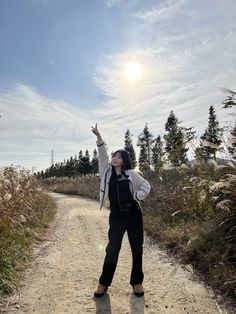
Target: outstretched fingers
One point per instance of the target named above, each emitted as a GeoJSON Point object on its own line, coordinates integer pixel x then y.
{"type": "Point", "coordinates": [95, 130]}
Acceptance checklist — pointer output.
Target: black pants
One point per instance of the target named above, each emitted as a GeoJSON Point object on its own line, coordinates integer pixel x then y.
{"type": "Point", "coordinates": [120, 222]}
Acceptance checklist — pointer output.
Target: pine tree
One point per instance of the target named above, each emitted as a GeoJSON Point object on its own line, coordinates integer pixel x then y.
{"type": "Point", "coordinates": [46, 173]}
{"type": "Point", "coordinates": [68, 168]}
{"type": "Point", "coordinates": [157, 154]}
{"type": "Point", "coordinates": [85, 163]}
{"type": "Point", "coordinates": [56, 169]}
{"type": "Point", "coordinates": [175, 141]}
{"type": "Point", "coordinates": [232, 146]}
{"type": "Point", "coordinates": [145, 141]}
{"type": "Point", "coordinates": [230, 102]}
{"type": "Point", "coordinates": [210, 140]}
{"type": "Point", "coordinates": [94, 162]}
{"type": "Point", "coordinates": [80, 162]}
{"type": "Point", "coordinates": [61, 172]}
{"type": "Point", "coordinates": [129, 147]}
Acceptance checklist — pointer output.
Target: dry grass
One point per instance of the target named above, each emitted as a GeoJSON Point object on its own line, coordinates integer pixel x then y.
{"type": "Point", "coordinates": [25, 212]}
{"type": "Point", "coordinates": [87, 186]}
{"type": "Point", "coordinates": [191, 212]}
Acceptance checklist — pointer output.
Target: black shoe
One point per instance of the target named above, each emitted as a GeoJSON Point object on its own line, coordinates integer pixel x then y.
{"type": "Point", "coordinates": [100, 290]}
{"type": "Point", "coordinates": [139, 292]}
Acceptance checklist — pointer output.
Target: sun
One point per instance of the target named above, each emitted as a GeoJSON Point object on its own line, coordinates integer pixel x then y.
{"type": "Point", "coordinates": [133, 71]}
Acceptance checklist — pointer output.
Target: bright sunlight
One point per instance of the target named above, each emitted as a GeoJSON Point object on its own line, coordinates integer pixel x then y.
{"type": "Point", "coordinates": [133, 71]}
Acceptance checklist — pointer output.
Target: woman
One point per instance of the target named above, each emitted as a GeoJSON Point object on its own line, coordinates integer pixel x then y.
{"type": "Point", "coordinates": [121, 190]}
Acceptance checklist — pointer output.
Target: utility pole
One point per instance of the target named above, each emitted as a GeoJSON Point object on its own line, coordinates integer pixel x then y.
{"type": "Point", "coordinates": [52, 158]}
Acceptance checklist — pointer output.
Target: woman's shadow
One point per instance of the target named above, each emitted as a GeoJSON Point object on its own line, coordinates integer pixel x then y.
{"type": "Point", "coordinates": [136, 304]}
{"type": "Point", "coordinates": [103, 304]}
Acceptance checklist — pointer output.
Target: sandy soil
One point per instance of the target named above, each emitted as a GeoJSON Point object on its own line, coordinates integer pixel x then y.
{"type": "Point", "coordinates": [67, 265]}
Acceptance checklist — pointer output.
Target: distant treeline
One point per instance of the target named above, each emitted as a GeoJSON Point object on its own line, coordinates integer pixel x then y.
{"type": "Point", "coordinates": [73, 167]}
{"type": "Point", "coordinates": [158, 152]}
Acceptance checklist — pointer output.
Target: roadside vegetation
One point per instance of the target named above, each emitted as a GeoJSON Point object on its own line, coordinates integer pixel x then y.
{"type": "Point", "coordinates": [25, 213]}
{"type": "Point", "coordinates": [190, 212]}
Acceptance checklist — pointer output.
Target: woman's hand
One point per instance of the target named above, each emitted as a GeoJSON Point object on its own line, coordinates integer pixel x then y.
{"type": "Point", "coordinates": [96, 132]}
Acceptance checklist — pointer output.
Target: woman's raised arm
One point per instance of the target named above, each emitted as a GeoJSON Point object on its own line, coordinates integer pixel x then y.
{"type": "Point", "coordinates": [103, 159]}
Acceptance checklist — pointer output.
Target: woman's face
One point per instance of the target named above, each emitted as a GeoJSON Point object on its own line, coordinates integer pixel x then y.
{"type": "Point", "coordinates": [117, 160]}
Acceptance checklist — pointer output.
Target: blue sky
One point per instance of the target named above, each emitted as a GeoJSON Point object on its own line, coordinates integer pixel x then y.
{"type": "Point", "coordinates": [62, 70]}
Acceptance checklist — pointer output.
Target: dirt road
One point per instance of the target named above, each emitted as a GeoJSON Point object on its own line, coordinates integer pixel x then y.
{"type": "Point", "coordinates": [66, 267]}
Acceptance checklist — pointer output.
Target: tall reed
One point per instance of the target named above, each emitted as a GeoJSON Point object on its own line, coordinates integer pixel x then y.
{"type": "Point", "coordinates": [25, 212]}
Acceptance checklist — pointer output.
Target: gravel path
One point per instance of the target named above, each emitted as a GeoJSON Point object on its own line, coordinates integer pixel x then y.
{"type": "Point", "coordinates": [66, 267]}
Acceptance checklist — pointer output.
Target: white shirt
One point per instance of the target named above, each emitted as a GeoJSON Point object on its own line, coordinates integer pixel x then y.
{"type": "Point", "coordinates": [139, 187]}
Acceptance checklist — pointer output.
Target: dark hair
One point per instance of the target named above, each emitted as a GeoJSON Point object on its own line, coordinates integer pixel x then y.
{"type": "Point", "coordinates": [127, 163]}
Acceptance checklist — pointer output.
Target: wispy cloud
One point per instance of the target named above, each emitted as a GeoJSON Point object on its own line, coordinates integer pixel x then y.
{"type": "Point", "coordinates": [25, 108]}
{"type": "Point", "coordinates": [179, 82]}
{"type": "Point", "coordinates": [185, 63]}
{"type": "Point", "coordinates": [163, 11]}
{"type": "Point", "coordinates": [113, 3]}
{"type": "Point", "coordinates": [35, 125]}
